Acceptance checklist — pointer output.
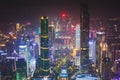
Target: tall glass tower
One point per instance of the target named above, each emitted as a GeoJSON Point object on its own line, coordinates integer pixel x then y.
{"type": "Point", "coordinates": [84, 26]}
{"type": "Point", "coordinates": [42, 64]}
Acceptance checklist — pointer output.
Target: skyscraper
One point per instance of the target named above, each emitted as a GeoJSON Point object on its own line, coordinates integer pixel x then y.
{"type": "Point", "coordinates": [84, 26]}
{"type": "Point", "coordinates": [42, 64]}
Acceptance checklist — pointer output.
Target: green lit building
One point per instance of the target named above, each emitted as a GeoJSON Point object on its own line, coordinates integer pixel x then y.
{"type": "Point", "coordinates": [42, 63]}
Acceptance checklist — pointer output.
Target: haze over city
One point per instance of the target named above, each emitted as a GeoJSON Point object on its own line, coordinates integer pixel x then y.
{"type": "Point", "coordinates": [29, 10]}
{"type": "Point", "coordinates": [59, 40]}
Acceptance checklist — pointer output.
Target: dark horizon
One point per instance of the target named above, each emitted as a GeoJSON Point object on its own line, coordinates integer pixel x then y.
{"type": "Point", "coordinates": [33, 10]}
{"type": "Point", "coordinates": [29, 10]}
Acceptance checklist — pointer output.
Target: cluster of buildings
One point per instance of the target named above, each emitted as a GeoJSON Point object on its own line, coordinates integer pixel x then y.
{"type": "Point", "coordinates": [95, 43]}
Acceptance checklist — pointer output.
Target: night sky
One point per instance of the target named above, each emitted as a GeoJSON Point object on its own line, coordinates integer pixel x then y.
{"type": "Point", "coordinates": [31, 10]}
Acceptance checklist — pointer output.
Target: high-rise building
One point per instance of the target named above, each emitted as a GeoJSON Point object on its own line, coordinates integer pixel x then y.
{"type": "Point", "coordinates": [51, 33]}
{"type": "Point", "coordinates": [84, 26]}
{"type": "Point", "coordinates": [77, 36]}
{"type": "Point", "coordinates": [42, 63]}
{"type": "Point", "coordinates": [113, 38]}
{"type": "Point", "coordinates": [77, 48]}
{"type": "Point", "coordinates": [21, 69]}
{"type": "Point", "coordinates": [92, 46]}
{"type": "Point", "coordinates": [100, 38]}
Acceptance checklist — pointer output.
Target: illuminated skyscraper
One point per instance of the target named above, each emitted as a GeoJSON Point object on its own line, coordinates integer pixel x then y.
{"type": "Point", "coordinates": [84, 25]}
{"type": "Point", "coordinates": [42, 64]}
{"type": "Point", "coordinates": [92, 46]}
{"type": "Point", "coordinates": [77, 37]}
{"type": "Point", "coordinates": [51, 33]}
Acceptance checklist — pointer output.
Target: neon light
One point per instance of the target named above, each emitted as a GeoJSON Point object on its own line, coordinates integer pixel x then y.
{"type": "Point", "coordinates": [22, 46]}
{"type": "Point", "coordinates": [34, 44]}
{"type": "Point", "coordinates": [44, 48]}
{"type": "Point", "coordinates": [45, 70]}
{"type": "Point", "coordinates": [45, 59]}
{"type": "Point", "coordinates": [44, 36]}
{"type": "Point", "coordinates": [45, 78]}
{"type": "Point", "coordinates": [100, 32]}
{"type": "Point", "coordinates": [3, 53]}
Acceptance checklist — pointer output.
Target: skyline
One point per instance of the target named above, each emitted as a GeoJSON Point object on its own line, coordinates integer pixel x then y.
{"type": "Point", "coordinates": [59, 39]}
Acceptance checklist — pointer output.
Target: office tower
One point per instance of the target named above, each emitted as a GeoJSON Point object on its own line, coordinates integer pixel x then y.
{"type": "Point", "coordinates": [84, 26]}
{"type": "Point", "coordinates": [100, 38]}
{"type": "Point", "coordinates": [75, 51]}
{"type": "Point", "coordinates": [113, 40]}
{"type": "Point", "coordinates": [21, 69]}
{"type": "Point", "coordinates": [42, 63]}
{"type": "Point", "coordinates": [51, 33]}
{"type": "Point", "coordinates": [92, 46]}
{"type": "Point", "coordinates": [77, 36]}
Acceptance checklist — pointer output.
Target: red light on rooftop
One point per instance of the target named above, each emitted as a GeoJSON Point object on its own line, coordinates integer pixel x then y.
{"type": "Point", "coordinates": [63, 15]}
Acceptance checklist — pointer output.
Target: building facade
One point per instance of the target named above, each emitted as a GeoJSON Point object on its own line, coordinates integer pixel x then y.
{"type": "Point", "coordinates": [84, 26]}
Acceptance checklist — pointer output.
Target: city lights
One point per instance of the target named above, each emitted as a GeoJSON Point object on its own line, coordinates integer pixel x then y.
{"type": "Point", "coordinates": [60, 40]}
{"type": "Point", "coordinates": [64, 15]}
